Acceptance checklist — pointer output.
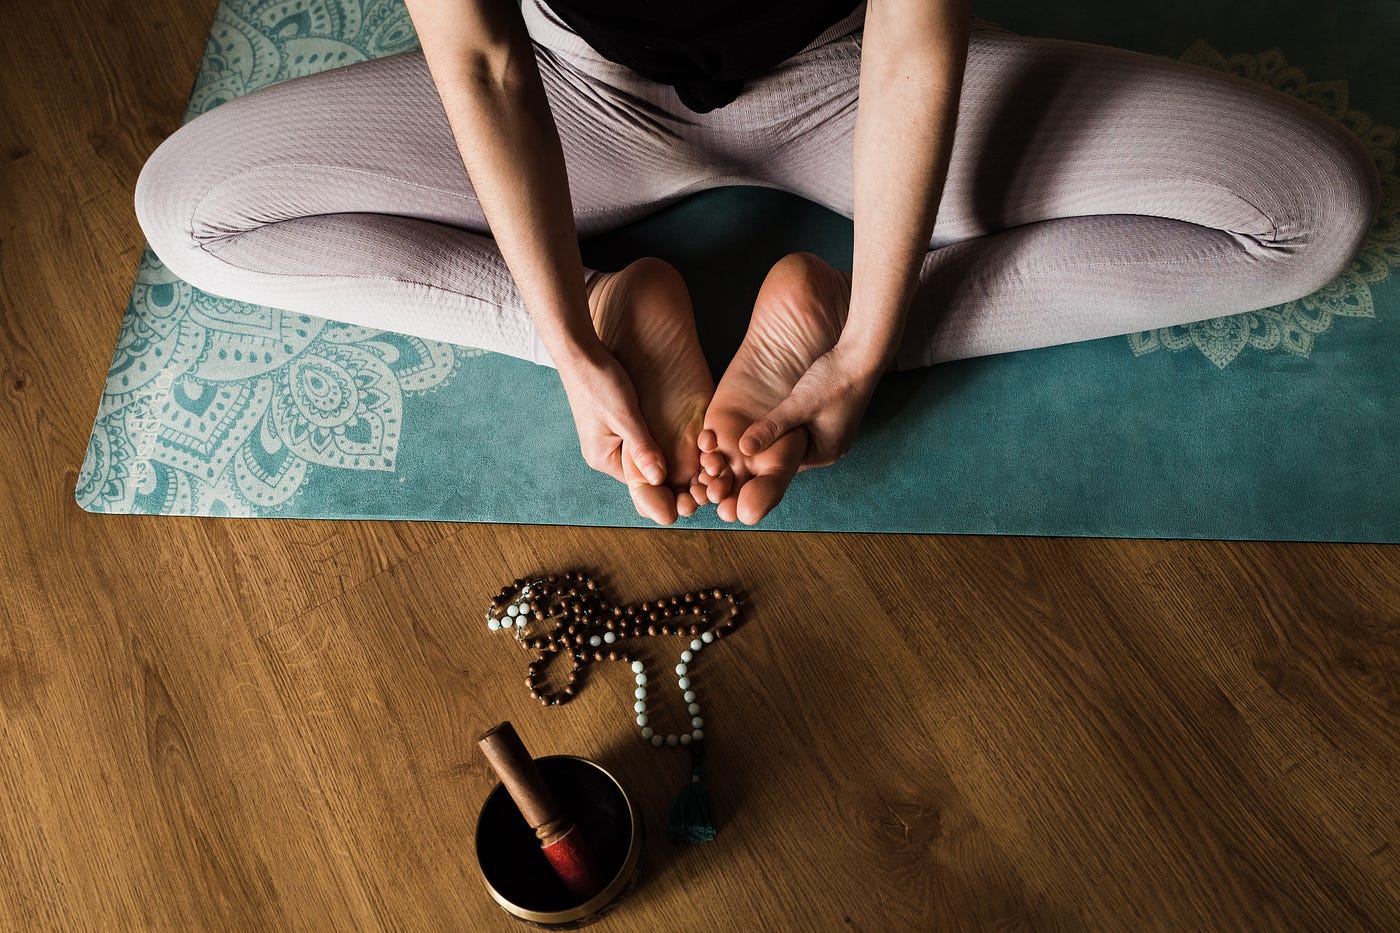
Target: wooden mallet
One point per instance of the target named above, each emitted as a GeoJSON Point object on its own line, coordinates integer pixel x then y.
{"type": "Point", "coordinates": [561, 840]}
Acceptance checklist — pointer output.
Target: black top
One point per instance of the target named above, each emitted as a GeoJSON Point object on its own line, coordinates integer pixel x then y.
{"type": "Point", "coordinates": [705, 50]}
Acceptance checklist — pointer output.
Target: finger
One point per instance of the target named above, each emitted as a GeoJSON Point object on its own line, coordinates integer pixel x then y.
{"type": "Point", "coordinates": [612, 465]}
{"type": "Point", "coordinates": [763, 432]}
{"type": "Point", "coordinates": [645, 452]}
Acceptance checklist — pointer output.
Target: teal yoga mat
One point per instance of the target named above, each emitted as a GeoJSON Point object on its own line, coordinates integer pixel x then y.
{"type": "Point", "coordinates": [1281, 424]}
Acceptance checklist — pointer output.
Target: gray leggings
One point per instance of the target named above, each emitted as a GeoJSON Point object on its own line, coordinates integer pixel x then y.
{"type": "Point", "coordinates": [1092, 191]}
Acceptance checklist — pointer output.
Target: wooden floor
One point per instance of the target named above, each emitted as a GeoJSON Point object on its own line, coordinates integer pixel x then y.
{"type": "Point", "coordinates": [271, 724]}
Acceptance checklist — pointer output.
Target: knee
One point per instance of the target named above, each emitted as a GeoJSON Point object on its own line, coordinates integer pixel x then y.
{"type": "Point", "coordinates": [168, 191]}
{"type": "Point", "coordinates": [1336, 198]}
{"type": "Point", "coordinates": [191, 194]}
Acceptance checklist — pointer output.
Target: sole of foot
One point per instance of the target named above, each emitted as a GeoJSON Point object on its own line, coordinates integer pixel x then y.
{"type": "Point", "coordinates": [798, 316]}
{"type": "Point", "coordinates": [643, 314]}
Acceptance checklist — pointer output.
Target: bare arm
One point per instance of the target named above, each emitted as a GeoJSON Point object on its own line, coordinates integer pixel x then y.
{"type": "Point", "coordinates": [483, 65]}
{"type": "Point", "coordinates": [912, 61]}
{"type": "Point", "coordinates": [912, 64]}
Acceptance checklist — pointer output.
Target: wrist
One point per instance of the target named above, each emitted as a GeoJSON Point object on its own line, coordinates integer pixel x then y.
{"type": "Point", "coordinates": [867, 360]}
{"type": "Point", "coordinates": [574, 349]}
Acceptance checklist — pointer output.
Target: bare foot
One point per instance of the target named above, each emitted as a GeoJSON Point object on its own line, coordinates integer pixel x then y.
{"type": "Point", "coordinates": [642, 313]}
{"type": "Point", "coordinates": [797, 316]}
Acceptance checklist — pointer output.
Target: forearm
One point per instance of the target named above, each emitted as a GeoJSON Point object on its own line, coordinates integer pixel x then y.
{"type": "Point", "coordinates": [496, 106]}
{"type": "Point", "coordinates": [909, 92]}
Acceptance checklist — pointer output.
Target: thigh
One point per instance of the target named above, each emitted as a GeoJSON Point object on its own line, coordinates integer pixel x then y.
{"type": "Point", "coordinates": [373, 138]}
{"type": "Point", "coordinates": [1051, 128]}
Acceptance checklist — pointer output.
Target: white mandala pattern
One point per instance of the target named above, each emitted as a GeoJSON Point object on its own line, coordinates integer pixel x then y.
{"type": "Point", "coordinates": [219, 407]}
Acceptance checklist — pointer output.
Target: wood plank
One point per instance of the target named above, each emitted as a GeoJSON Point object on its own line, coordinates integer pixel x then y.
{"type": "Point", "coordinates": [270, 724]}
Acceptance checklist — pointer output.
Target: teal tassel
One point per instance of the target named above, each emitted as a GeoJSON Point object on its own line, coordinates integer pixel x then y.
{"type": "Point", "coordinates": [691, 818]}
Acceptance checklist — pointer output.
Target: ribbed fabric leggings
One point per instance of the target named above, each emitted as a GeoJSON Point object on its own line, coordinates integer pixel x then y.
{"type": "Point", "coordinates": [1092, 191]}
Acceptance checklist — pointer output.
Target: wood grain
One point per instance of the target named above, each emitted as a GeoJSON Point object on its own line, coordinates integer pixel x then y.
{"type": "Point", "coordinates": [229, 724]}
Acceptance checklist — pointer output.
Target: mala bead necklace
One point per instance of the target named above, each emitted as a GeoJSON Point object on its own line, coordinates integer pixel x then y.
{"type": "Point", "coordinates": [568, 614]}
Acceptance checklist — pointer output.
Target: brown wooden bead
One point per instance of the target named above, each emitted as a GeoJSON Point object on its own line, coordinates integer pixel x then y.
{"type": "Point", "coordinates": [613, 656]}
{"type": "Point", "coordinates": [598, 655]}
{"type": "Point", "coordinates": [652, 616]}
{"type": "Point", "coordinates": [695, 630]}
{"type": "Point", "coordinates": [651, 630]}
{"type": "Point", "coordinates": [689, 597]}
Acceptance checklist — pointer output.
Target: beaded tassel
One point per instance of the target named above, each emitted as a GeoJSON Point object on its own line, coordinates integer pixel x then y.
{"type": "Point", "coordinates": [691, 817]}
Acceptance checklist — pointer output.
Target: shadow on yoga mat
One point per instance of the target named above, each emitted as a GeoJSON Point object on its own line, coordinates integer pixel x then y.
{"type": "Point", "coordinates": [1281, 424]}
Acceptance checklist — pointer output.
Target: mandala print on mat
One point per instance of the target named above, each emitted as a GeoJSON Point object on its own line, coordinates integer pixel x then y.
{"type": "Point", "coordinates": [219, 407]}
{"type": "Point", "coordinates": [1293, 326]}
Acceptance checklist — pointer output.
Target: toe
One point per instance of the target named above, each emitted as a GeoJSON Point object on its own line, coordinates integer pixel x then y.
{"type": "Point", "coordinates": [657, 503]}
{"type": "Point", "coordinates": [720, 487]}
{"type": "Point", "coordinates": [713, 462]}
{"type": "Point", "coordinates": [760, 494]}
{"type": "Point", "coordinates": [728, 509]}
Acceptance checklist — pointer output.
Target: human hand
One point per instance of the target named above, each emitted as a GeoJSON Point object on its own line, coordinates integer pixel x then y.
{"type": "Point", "coordinates": [829, 400]}
{"type": "Point", "coordinates": [813, 426]}
{"type": "Point", "coordinates": [613, 436]}
{"type": "Point", "coordinates": [794, 392]}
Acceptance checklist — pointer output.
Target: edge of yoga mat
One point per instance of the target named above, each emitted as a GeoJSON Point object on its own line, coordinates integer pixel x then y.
{"type": "Point", "coordinates": [1184, 433]}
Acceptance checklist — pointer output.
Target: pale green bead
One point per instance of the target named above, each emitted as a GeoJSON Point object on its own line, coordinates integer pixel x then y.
{"type": "Point", "coordinates": [685, 740]}
{"type": "Point", "coordinates": [707, 637]}
{"type": "Point", "coordinates": [696, 722]}
{"type": "Point", "coordinates": [637, 667]}
{"type": "Point", "coordinates": [641, 719]}
{"type": "Point", "coordinates": [673, 739]}
{"type": "Point", "coordinates": [696, 645]}
{"type": "Point", "coordinates": [641, 680]}
{"type": "Point", "coordinates": [697, 734]}
{"type": "Point", "coordinates": [657, 740]}
{"type": "Point", "coordinates": [610, 637]}
{"type": "Point", "coordinates": [640, 693]}
{"type": "Point", "coordinates": [684, 683]}
{"type": "Point", "coordinates": [640, 706]}
{"type": "Point", "coordinates": [493, 624]}
{"type": "Point", "coordinates": [690, 696]}
{"type": "Point", "coordinates": [648, 732]}
{"type": "Point", "coordinates": [687, 656]}
{"type": "Point", "coordinates": [693, 709]}
{"type": "Point", "coordinates": [681, 669]}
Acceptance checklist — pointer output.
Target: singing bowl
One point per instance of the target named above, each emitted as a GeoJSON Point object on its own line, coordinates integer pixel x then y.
{"type": "Point", "coordinates": [518, 875]}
